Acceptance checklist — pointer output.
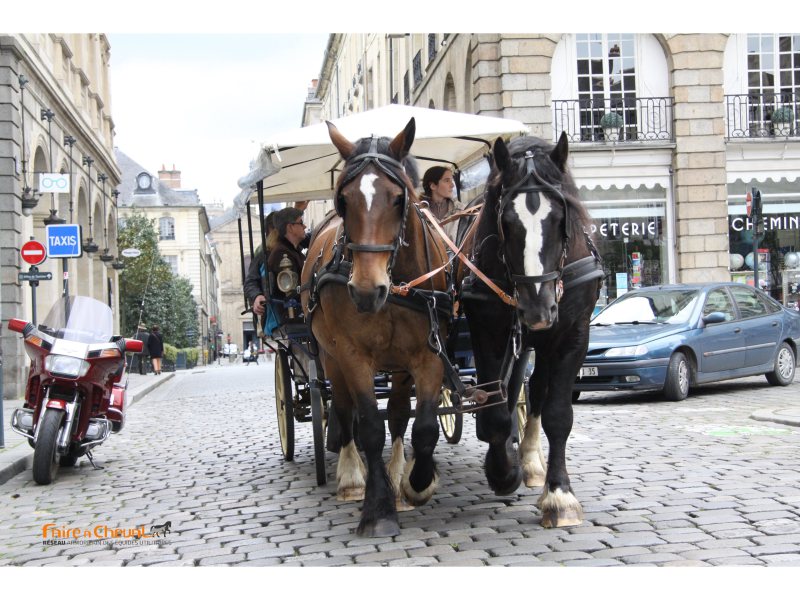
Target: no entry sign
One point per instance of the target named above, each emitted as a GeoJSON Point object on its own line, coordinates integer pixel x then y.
{"type": "Point", "coordinates": [33, 252]}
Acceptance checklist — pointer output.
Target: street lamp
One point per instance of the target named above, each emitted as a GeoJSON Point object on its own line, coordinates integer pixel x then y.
{"type": "Point", "coordinates": [89, 246]}
{"type": "Point", "coordinates": [105, 256]}
{"type": "Point", "coordinates": [30, 198]}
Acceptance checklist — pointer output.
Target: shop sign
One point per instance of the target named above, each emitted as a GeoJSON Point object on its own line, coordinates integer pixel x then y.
{"type": "Point", "coordinates": [614, 228]}
{"type": "Point", "coordinates": [771, 222]}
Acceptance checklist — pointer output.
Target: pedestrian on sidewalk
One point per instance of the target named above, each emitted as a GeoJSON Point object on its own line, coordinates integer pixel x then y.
{"type": "Point", "coordinates": [144, 357]}
{"type": "Point", "coordinates": [155, 345]}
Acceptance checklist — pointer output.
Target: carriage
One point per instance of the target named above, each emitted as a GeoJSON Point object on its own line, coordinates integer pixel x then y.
{"type": "Point", "coordinates": [377, 256]}
{"type": "Point", "coordinates": [302, 165]}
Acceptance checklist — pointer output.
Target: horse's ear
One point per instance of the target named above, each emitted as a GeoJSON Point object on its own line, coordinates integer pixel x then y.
{"type": "Point", "coordinates": [401, 144]}
{"type": "Point", "coordinates": [501, 156]}
{"type": "Point", "coordinates": [561, 152]}
{"type": "Point", "coordinates": [343, 145]}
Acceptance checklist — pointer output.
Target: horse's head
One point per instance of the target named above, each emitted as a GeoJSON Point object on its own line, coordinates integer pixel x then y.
{"type": "Point", "coordinates": [373, 194]}
{"type": "Point", "coordinates": [530, 187]}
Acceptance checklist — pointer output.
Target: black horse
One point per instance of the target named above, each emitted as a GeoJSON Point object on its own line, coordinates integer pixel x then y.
{"type": "Point", "coordinates": [530, 240]}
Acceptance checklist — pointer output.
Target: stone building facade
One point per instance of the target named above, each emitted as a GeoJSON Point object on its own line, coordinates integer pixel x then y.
{"type": "Point", "coordinates": [55, 117]}
{"type": "Point", "coordinates": [666, 188]}
{"type": "Point", "coordinates": [183, 227]}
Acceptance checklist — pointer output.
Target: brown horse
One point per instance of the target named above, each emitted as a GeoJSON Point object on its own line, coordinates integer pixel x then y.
{"type": "Point", "coordinates": [377, 240]}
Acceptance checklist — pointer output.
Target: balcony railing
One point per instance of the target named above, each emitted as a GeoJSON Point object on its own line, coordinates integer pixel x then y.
{"type": "Point", "coordinates": [750, 115]}
{"type": "Point", "coordinates": [643, 119]}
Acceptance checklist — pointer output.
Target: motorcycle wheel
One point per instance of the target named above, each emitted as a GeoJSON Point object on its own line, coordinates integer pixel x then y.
{"type": "Point", "coordinates": [45, 459]}
{"type": "Point", "coordinates": [318, 425]}
{"type": "Point", "coordinates": [284, 405]}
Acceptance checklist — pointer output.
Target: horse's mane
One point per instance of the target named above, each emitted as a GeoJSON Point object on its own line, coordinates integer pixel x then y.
{"type": "Point", "coordinates": [548, 171]}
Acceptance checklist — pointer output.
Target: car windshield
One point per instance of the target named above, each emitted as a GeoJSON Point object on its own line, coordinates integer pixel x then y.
{"type": "Point", "coordinates": [656, 306]}
{"type": "Point", "coordinates": [80, 319]}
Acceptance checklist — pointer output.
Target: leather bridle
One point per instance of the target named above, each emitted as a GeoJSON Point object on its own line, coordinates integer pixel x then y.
{"type": "Point", "coordinates": [395, 171]}
{"type": "Point", "coordinates": [533, 183]}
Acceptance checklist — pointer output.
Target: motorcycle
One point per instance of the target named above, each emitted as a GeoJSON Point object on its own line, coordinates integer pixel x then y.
{"type": "Point", "coordinates": [75, 396]}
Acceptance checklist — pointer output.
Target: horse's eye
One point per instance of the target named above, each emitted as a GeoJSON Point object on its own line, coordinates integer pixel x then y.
{"type": "Point", "coordinates": [398, 200]}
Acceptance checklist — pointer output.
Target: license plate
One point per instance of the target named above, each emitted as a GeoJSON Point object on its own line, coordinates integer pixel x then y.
{"type": "Point", "coordinates": [588, 372]}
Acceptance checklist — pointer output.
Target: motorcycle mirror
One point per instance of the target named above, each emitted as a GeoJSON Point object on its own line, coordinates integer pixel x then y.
{"type": "Point", "coordinates": [17, 325]}
{"type": "Point", "coordinates": [133, 345]}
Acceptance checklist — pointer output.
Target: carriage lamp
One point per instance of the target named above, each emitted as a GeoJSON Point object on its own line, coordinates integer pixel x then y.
{"type": "Point", "coordinates": [287, 278]}
{"type": "Point", "coordinates": [118, 264]}
{"type": "Point", "coordinates": [106, 256]}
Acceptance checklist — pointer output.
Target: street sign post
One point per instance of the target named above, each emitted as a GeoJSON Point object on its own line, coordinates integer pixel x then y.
{"type": "Point", "coordinates": [64, 241]}
{"type": "Point", "coordinates": [34, 277]}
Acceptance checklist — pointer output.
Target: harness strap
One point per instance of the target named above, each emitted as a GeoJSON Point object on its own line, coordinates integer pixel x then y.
{"type": "Point", "coordinates": [500, 293]}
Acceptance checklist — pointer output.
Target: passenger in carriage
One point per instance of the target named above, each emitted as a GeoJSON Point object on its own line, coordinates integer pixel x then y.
{"type": "Point", "coordinates": [253, 288]}
{"type": "Point", "coordinates": [291, 235]}
{"type": "Point", "coordinates": [438, 189]}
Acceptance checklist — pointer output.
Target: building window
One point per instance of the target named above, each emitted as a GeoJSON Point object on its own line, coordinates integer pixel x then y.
{"type": "Point", "coordinates": [406, 89]}
{"type": "Point", "coordinates": [773, 75]}
{"type": "Point", "coordinates": [166, 228]}
{"type": "Point", "coordinates": [431, 47]}
{"type": "Point", "coordinates": [172, 261]}
{"type": "Point", "coordinates": [417, 68]}
{"type": "Point", "coordinates": [779, 246]}
{"type": "Point", "coordinates": [629, 226]}
{"type": "Point", "coordinates": [606, 80]}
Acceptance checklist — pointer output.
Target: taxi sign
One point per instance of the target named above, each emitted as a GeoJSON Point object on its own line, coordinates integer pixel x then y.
{"type": "Point", "coordinates": [64, 241]}
{"type": "Point", "coordinates": [33, 252]}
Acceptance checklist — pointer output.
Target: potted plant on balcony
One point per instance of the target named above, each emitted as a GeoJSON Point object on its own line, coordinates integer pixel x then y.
{"type": "Point", "coordinates": [782, 120]}
{"type": "Point", "coordinates": [611, 122]}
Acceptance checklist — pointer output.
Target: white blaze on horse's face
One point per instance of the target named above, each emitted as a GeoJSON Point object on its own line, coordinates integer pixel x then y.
{"type": "Point", "coordinates": [534, 233]}
{"type": "Point", "coordinates": [367, 187]}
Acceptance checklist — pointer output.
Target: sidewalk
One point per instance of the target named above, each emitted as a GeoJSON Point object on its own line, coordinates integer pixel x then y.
{"type": "Point", "coordinates": [17, 455]}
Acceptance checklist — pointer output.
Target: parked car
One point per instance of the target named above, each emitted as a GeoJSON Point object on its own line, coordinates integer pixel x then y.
{"type": "Point", "coordinates": [673, 337]}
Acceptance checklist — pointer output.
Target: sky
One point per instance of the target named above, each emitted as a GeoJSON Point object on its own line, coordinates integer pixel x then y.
{"type": "Point", "coordinates": [204, 102]}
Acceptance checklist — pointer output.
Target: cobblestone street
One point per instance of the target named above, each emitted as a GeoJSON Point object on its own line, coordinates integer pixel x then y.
{"type": "Point", "coordinates": [691, 483]}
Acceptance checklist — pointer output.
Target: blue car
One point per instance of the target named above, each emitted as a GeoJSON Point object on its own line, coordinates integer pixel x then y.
{"type": "Point", "coordinates": [672, 337]}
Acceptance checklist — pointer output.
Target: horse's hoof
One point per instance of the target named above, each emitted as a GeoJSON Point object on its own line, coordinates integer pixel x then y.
{"type": "Point", "coordinates": [561, 518]}
{"type": "Point", "coordinates": [412, 496]}
{"type": "Point", "coordinates": [350, 495]}
{"type": "Point", "coordinates": [507, 486]}
{"type": "Point", "coordinates": [534, 480]}
{"type": "Point", "coordinates": [402, 505]}
{"type": "Point", "coordinates": [380, 528]}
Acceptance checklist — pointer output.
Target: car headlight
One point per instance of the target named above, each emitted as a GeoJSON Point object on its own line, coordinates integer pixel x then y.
{"type": "Point", "coordinates": [626, 351]}
{"type": "Point", "coordinates": [66, 366]}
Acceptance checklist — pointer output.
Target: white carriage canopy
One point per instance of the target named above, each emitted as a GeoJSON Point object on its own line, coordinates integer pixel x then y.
{"type": "Point", "coordinates": [303, 164]}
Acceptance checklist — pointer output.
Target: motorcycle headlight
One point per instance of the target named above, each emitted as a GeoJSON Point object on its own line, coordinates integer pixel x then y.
{"type": "Point", "coordinates": [66, 366]}
{"type": "Point", "coordinates": [627, 351]}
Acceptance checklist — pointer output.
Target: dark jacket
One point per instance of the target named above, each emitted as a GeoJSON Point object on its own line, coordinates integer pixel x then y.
{"type": "Point", "coordinates": [252, 283]}
{"type": "Point", "coordinates": [155, 345]}
{"type": "Point", "coordinates": [144, 336]}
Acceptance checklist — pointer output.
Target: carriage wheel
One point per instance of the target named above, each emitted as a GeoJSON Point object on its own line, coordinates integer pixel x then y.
{"type": "Point", "coordinates": [284, 404]}
{"type": "Point", "coordinates": [452, 424]}
{"type": "Point", "coordinates": [318, 424]}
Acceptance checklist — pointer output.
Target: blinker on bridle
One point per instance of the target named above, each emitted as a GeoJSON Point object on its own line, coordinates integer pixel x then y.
{"type": "Point", "coordinates": [390, 167]}
{"type": "Point", "coordinates": [533, 183]}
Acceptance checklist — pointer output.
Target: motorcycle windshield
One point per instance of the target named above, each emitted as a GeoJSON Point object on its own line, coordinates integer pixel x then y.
{"type": "Point", "coordinates": [80, 319]}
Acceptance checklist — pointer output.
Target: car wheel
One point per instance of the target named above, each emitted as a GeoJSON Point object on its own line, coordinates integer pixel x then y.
{"type": "Point", "coordinates": [676, 386]}
{"type": "Point", "coordinates": [783, 371]}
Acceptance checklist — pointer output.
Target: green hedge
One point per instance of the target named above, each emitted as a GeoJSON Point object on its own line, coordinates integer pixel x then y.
{"type": "Point", "coordinates": [171, 354]}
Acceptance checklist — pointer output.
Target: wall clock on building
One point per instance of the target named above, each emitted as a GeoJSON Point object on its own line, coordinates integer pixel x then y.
{"type": "Point", "coordinates": [143, 181]}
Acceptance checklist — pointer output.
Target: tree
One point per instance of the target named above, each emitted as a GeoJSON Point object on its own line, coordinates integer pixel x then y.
{"type": "Point", "coordinates": [148, 285]}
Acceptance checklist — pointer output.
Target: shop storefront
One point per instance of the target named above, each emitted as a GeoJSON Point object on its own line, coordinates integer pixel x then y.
{"type": "Point", "coordinates": [779, 249]}
{"type": "Point", "coordinates": [630, 227]}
